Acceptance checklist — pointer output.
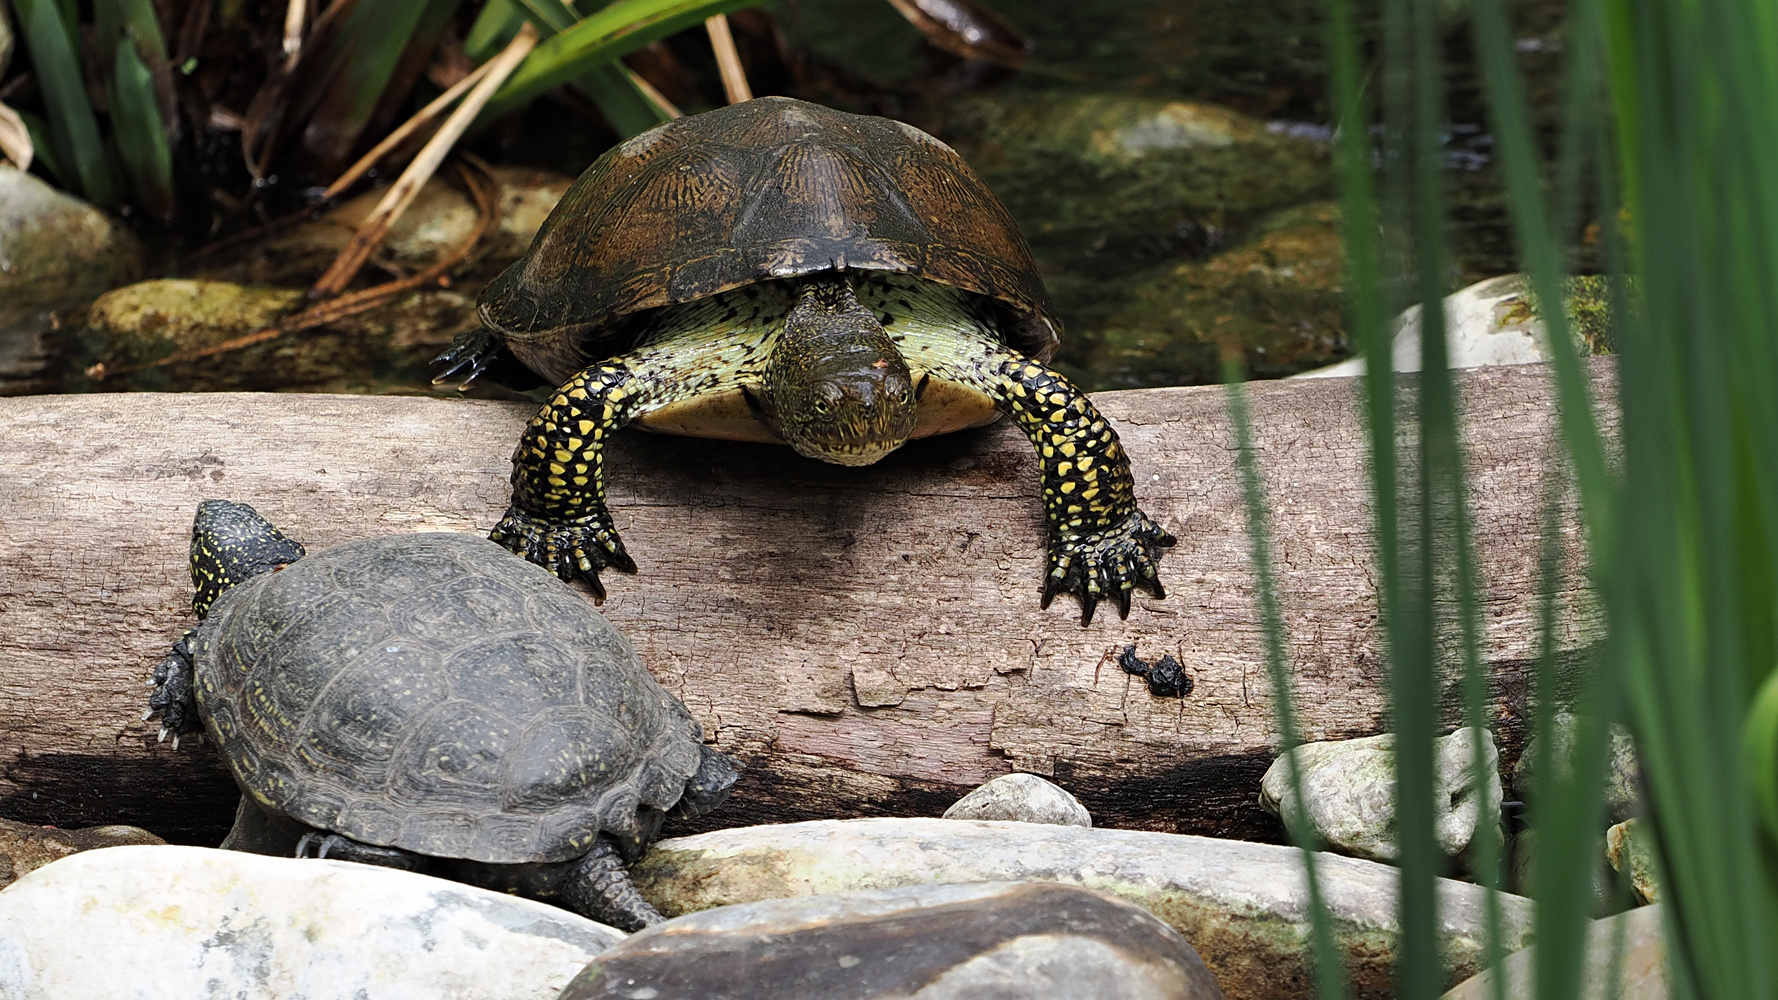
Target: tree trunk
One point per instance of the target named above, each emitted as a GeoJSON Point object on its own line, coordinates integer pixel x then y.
{"type": "Point", "coordinates": [865, 641]}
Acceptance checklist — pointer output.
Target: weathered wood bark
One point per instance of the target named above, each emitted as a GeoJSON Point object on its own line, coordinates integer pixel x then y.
{"type": "Point", "coordinates": [867, 641]}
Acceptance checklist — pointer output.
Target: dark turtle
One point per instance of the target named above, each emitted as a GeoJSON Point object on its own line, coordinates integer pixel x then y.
{"type": "Point", "coordinates": [429, 702]}
{"type": "Point", "coordinates": [779, 271]}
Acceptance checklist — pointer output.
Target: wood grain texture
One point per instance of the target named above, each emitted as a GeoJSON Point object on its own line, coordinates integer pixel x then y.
{"type": "Point", "coordinates": [866, 641]}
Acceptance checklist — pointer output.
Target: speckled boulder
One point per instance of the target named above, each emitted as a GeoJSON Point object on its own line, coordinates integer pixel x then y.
{"type": "Point", "coordinates": [1005, 940]}
{"type": "Point", "coordinates": [26, 848]}
{"type": "Point", "coordinates": [1349, 787]}
{"type": "Point", "coordinates": [1643, 971]}
{"type": "Point", "coordinates": [1026, 798]}
{"type": "Point", "coordinates": [124, 923]}
{"type": "Point", "coordinates": [57, 253]}
{"type": "Point", "coordinates": [1243, 906]}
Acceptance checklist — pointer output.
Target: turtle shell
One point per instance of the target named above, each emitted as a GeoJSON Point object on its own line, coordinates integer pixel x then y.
{"type": "Point", "coordinates": [435, 693]}
{"type": "Point", "coordinates": [769, 188]}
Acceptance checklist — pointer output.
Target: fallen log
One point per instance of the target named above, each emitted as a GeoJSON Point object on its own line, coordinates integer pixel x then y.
{"type": "Point", "coordinates": [865, 641]}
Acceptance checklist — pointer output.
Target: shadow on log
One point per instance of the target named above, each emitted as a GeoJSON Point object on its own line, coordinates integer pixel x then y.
{"type": "Point", "coordinates": [866, 641]}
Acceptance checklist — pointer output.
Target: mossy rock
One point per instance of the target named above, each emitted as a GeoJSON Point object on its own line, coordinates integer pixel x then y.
{"type": "Point", "coordinates": [1118, 177]}
{"type": "Point", "coordinates": [1277, 297]}
{"type": "Point", "coordinates": [387, 348]}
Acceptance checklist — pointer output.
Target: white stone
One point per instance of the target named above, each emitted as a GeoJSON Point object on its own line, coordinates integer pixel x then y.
{"type": "Point", "coordinates": [1488, 323]}
{"type": "Point", "coordinates": [1349, 786]}
{"type": "Point", "coordinates": [1245, 905]}
{"type": "Point", "coordinates": [192, 923]}
{"type": "Point", "coordinates": [1023, 797]}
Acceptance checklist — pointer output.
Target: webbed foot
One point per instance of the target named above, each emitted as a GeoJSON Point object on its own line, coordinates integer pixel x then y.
{"type": "Point", "coordinates": [579, 548]}
{"type": "Point", "coordinates": [1107, 564]}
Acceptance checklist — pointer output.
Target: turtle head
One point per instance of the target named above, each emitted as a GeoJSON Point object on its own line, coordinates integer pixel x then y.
{"type": "Point", "coordinates": [231, 543]}
{"type": "Point", "coordinates": [709, 787]}
{"type": "Point", "coordinates": [836, 387]}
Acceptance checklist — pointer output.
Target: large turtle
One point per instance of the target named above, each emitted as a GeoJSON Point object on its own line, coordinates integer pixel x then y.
{"type": "Point", "coordinates": [429, 702]}
{"type": "Point", "coordinates": [780, 271]}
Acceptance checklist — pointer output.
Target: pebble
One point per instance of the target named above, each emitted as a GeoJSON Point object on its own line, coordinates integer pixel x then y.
{"type": "Point", "coordinates": [1243, 905]}
{"type": "Point", "coordinates": [123, 923]}
{"type": "Point", "coordinates": [1023, 797]}
{"type": "Point", "coordinates": [26, 848]}
{"type": "Point", "coordinates": [1623, 776]}
{"type": "Point", "coordinates": [1627, 847]}
{"type": "Point", "coordinates": [1005, 940]}
{"type": "Point", "coordinates": [1349, 786]}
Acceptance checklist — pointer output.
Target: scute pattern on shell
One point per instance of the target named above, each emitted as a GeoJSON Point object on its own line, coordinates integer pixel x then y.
{"type": "Point", "coordinates": [435, 693]}
{"type": "Point", "coordinates": [770, 188]}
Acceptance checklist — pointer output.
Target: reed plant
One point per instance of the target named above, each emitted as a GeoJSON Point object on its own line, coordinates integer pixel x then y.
{"type": "Point", "coordinates": [1671, 116]}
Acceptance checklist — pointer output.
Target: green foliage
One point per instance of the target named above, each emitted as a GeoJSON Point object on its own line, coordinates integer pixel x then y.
{"type": "Point", "coordinates": [141, 137]}
{"type": "Point", "coordinates": [73, 127]}
{"type": "Point", "coordinates": [1682, 528]}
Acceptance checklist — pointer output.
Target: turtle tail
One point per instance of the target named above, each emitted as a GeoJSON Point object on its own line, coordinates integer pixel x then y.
{"type": "Point", "coordinates": [599, 888]}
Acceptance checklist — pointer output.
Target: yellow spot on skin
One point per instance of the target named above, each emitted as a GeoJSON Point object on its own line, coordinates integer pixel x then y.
{"type": "Point", "coordinates": [575, 393]}
{"type": "Point", "coordinates": [1049, 452]}
{"type": "Point", "coordinates": [1064, 468]}
{"type": "Point", "coordinates": [556, 469]}
{"type": "Point", "coordinates": [574, 443]}
{"type": "Point", "coordinates": [1058, 416]}
{"type": "Point", "coordinates": [615, 395]}
{"type": "Point", "coordinates": [586, 426]}
{"type": "Point", "coordinates": [1068, 449]}
{"type": "Point", "coordinates": [1059, 399]}
{"type": "Point", "coordinates": [1086, 462]}
{"type": "Point", "coordinates": [1068, 487]}
{"type": "Point", "coordinates": [562, 455]}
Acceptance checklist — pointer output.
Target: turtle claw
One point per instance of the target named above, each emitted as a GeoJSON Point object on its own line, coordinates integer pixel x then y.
{"type": "Point", "coordinates": [579, 548]}
{"type": "Point", "coordinates": [471, 352]}
{"type": "Point", "coordinates": [1107, 564]}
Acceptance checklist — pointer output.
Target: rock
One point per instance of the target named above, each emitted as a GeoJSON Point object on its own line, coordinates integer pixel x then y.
{"type": "Point", "coordinates": [1628, 849]}
{"type": "Point", "coordinates": [1122, 177]}
{"type": "Point", "coordinates": [1350, 789]}
{"type": "Point", "coordinates": [1278, 294]}
{"type": "Point", "coordinates": [1643, 961]}
{"type": "Point", "coordinates": [1602, 889]}
{"type": "Point", "coordinates": [1023, 797]}
{"type": "Point", "coordinates": [1162, 226]}
{"type": "Point", "coordinates": [6, 41]}
{"type": "Point", "coordinates": [1623, 776]}
{"type": "Point", "coordinates": [202, 923]}
{"type": "Point", "coordinates": [439, 219]}
{"type": "Point", "coordinates": [1494, 322]}
{"type": "Point", "coordinates": [393, 343]}
{"type": "Point", "coordinates": [25, 848]}
{"type": "Point", "coordinates": [1242, 905]}
{"type": "Point", "coordinates": [1008, 940]}
{"type": "Point", "coordinates": [57, 253]}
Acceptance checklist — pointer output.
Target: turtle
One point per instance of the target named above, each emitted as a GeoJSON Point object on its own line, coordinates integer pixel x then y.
{"type": "Point", "coordinates": [780, 271]}
{"type": "Point", "coordinates": [430, 702]}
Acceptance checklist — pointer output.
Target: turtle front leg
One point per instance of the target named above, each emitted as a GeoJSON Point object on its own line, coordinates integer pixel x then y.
{"type": "Point", "coordinates": [1101, 545]}
{"type": "Point", "coordinates": [174, 697]}
{"type": "Point", "coordinates": [558, 518]}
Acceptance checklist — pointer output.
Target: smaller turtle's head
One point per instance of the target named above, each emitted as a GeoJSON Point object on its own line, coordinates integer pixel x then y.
{"type": "Point", "coordinates": [837, 389]}
{"type": "Point", "coordinates": [231, 543]}
{"type": "Point", "coordinates": [709, 787]}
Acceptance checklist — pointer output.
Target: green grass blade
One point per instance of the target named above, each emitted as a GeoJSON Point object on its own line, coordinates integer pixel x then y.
{"type": "Point", "coordinates": [141, 136]}
{"type": "Point", "coordinates": [44, 152]}
{"type": "Point", "coordinates": [358, 66]}
{"type": "Point", "coordinates": [605, 35]}
{"type": "Point", "coordinates": [1329, 970]}
{"type": "Point", "coordinates": [625, 106]}
{"type": "Point", "coordinates": [493, 28]}
{"type": "Point", "coordinates": [73, 128]}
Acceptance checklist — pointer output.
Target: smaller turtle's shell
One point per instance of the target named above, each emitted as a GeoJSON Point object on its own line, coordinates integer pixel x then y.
{"type": "Point", "coordinates": [434, 692]}
{"type": "Point", "coordinates": [769, 188]}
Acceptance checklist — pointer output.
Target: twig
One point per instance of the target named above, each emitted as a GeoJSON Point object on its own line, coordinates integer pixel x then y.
{"type": "Point", "coordinates": [406, 129]}
{"type": "Point", "coordinates": [15, 139]}
{"type": "Point", "coordinates": [482, 187]}
{"type": "Point", "coordinates": [728, 59]}
{"type": "Point", "coordinates": [371, 234]}
{"type": "Point", "coordinates": [648, 90]}
{"type": "Point", "coordinates": [293, 30]}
